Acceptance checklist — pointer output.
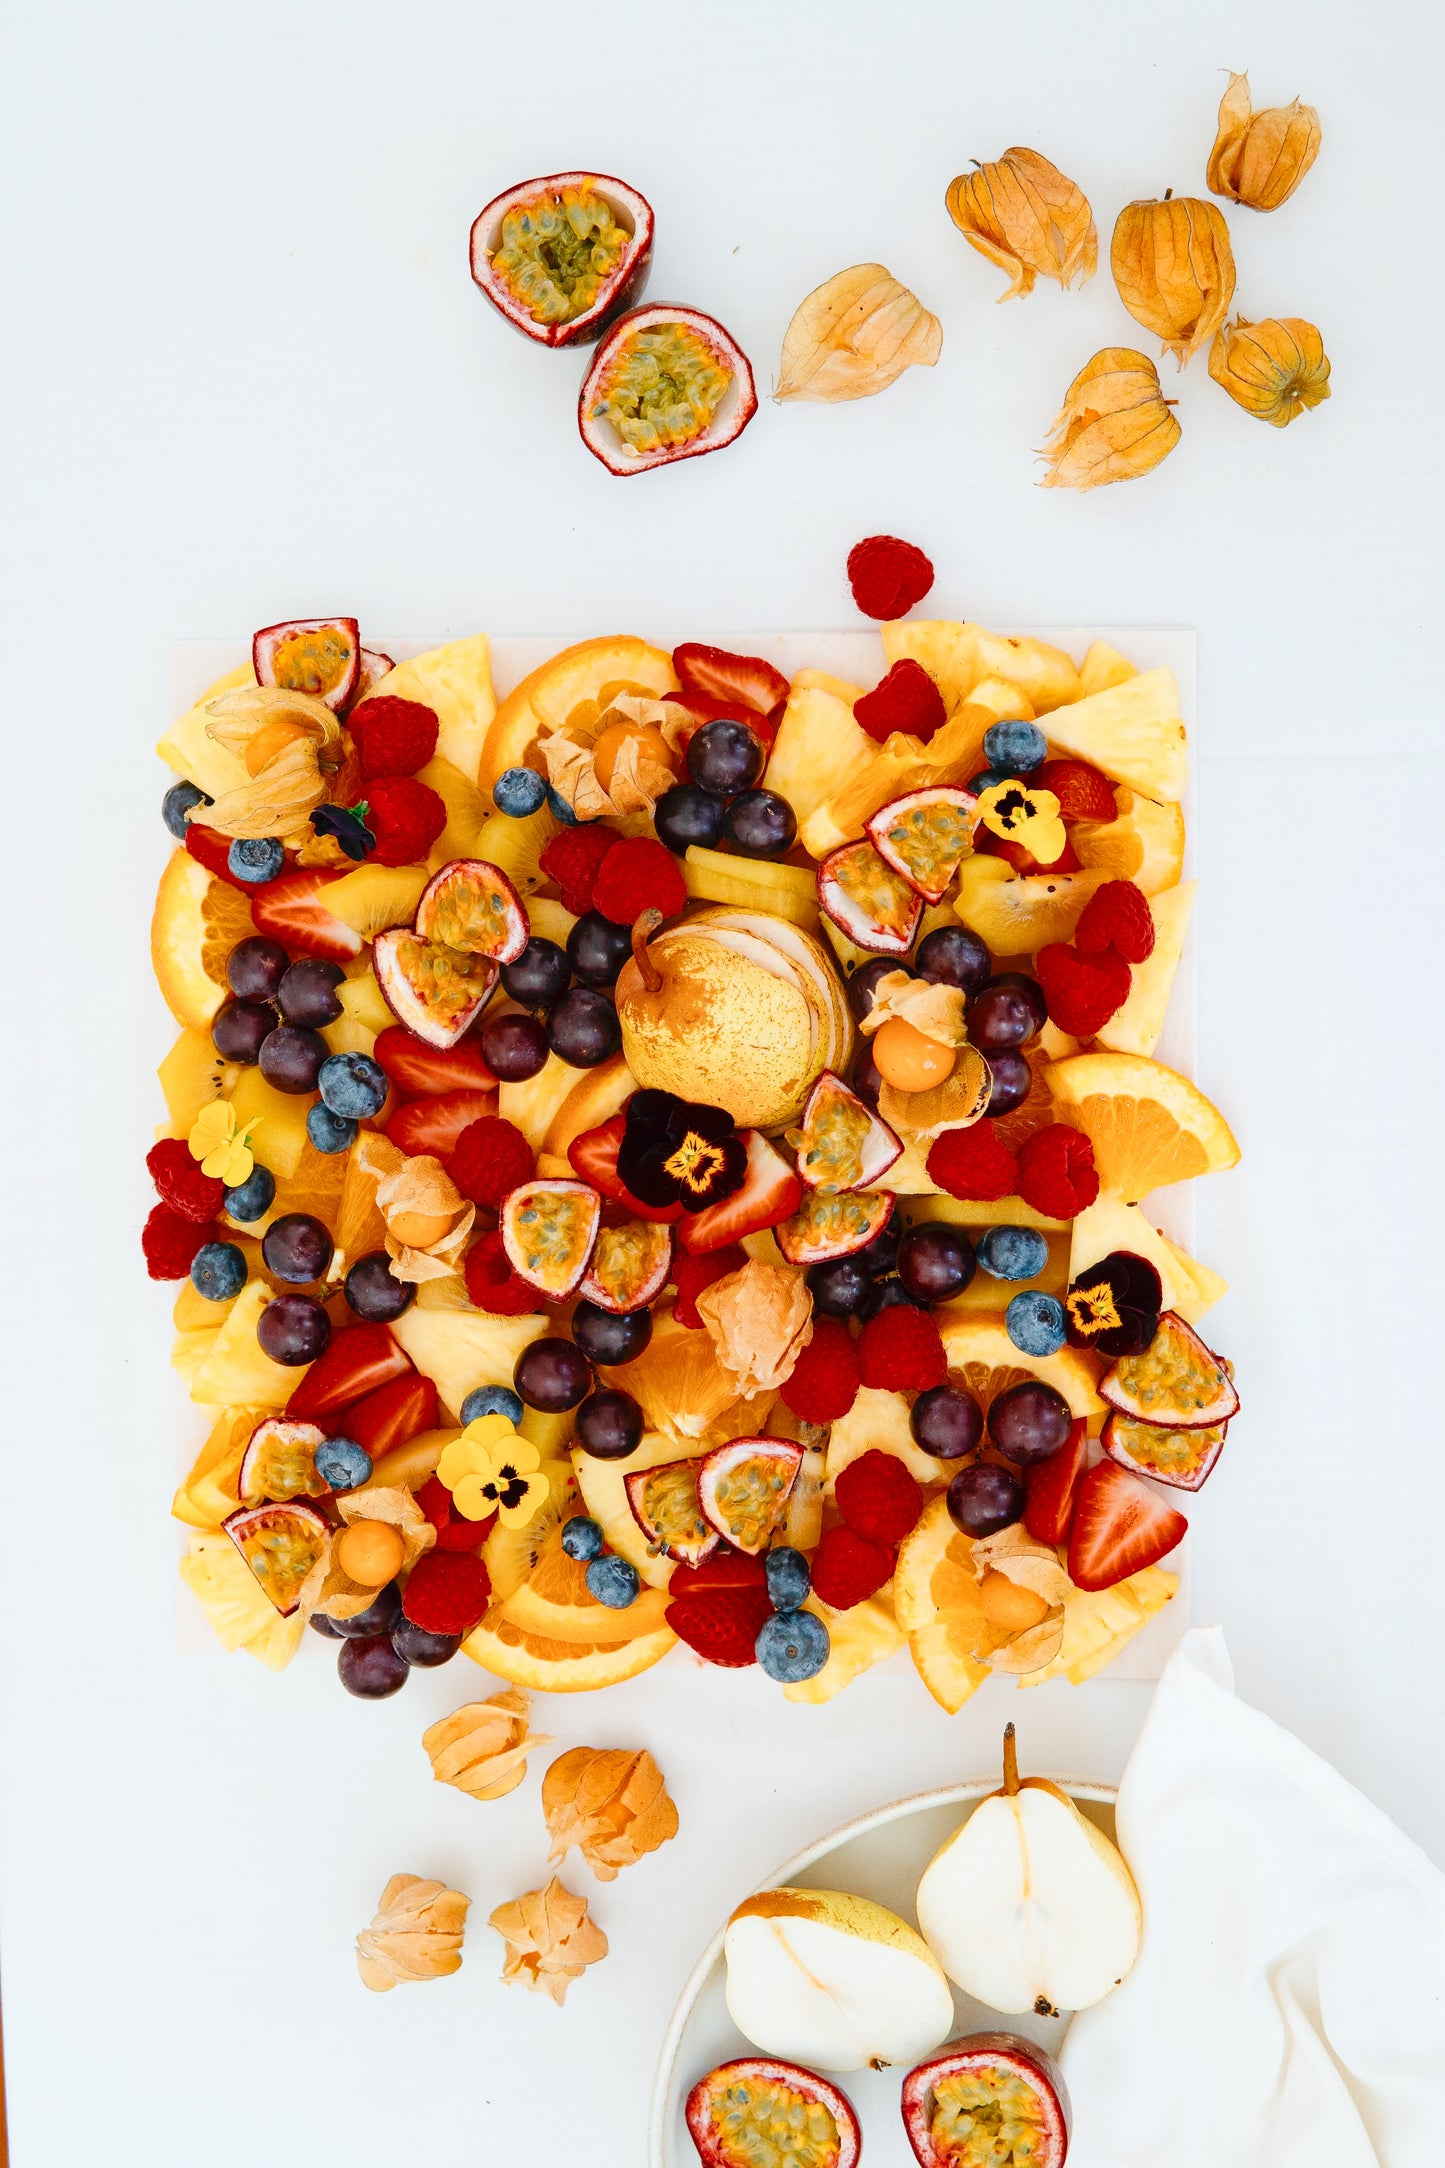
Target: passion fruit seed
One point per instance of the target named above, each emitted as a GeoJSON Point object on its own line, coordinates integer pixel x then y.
{"type": "Point", "coordinates": [988, 2116]}
{"type": "Point", "coordinates": [556, 251]}
{"type": "Point", "coordinates": [769, 2125]}
{"type": "Point", "coordinates": [661, 387]}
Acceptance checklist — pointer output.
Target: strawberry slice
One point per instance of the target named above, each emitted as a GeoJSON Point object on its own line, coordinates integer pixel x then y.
{"type": "Point", "coordinates": [290, 909]}
{"type": "Point", "coordinates": [212, 850]}
{"type": "Point", "coordinates": [433, 1125]}
{"type": "Point", "coordinates": [771, 1192]}
{"type": "Point", "coordinates": [741, 688]}
{"type": "Point", "coordinates": [1120, 1527]}
{"type": "Point", "coordinates": [719, 1608]}
{"type": "Point", "coordinates": [392, 1414]}
{"type": "Point", "coordinates": [420, 1071]}
{"type": "Point", "coordinates": [594, 1157]}
{"type": "Point", "coordinates": [1053, 1487]}
{"type": "Point", "coordinates": [1024, 861]}
{"type": "Point", "coordinates": [1083, 794]}
{"type": "Point", "coordinates": [359, 1359]}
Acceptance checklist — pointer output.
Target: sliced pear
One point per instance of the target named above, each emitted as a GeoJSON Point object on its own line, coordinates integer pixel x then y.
{"type": "Point", "coordinates": [833, 1981]}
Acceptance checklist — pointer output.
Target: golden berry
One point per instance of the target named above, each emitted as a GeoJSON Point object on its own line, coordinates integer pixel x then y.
{"type": "Point", "coordinates": [908, 1059]}
{"type": "Point", "coordinates": [370, 1552]}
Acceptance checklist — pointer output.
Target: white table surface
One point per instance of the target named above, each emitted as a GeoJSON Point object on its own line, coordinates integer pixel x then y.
{"type": "Point", "coordinates": [246, 376]}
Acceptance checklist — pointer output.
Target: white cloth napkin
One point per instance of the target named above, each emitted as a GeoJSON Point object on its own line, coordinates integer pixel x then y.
{"type": "Point", "coordinates": [1287, 2009]}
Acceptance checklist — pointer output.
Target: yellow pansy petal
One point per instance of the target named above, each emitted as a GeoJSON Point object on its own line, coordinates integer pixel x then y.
{"type": "Point", "coordinates": [523, 1456]}
{"type": "Point", "coordinates": [474, 1497]}
{"type": "Point", "coordinates": [488, 1432]}
{"type": "Point", "coordinates": [523, 1508]}
{"type": "Point", "coordinates": [239, 1162]}
{"type": "Point", "coordinates": [212, 1128]}
{"type": "Point", "coordinates": [457, 1462]}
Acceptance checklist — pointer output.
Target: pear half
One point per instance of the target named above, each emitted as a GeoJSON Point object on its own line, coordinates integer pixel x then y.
{"type": "Point", "coordinates": [837, 1982]}
{"type": "Point", "coordinates": [1028, 1906]}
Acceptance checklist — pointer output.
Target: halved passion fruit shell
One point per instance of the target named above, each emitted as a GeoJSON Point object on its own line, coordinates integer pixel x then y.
{"type": "Point", "coordinates": [549, 1231]}
{"type": "Point", "coordinates": [666, 383]}
{"type": "Point", "coordinates": [1176, 1383]}
{"type": "Point", "coordinates": [437, 992]}
{"type": "Point", "coordinates": [280, 1463]}
{"type": "Point", "coordinates": [280, 1543]}
{"type": "Point", "coordinates": [471, 905]}
{"type": "Point", "coordinates": [372, 667]}
{"type": "Point", "coordinates": [993, 2098]}
{"type": "Point", "coordinates": [630, 1266]}
{"type": "Point", "coordinates": [743, 1488]}
{"type": "Point", "coordinates": [868, 901]}
{"type": "Point", "coordinates": [833, 1223]}
{"type": "Point", "coordinates": [925, 837]}
{"type": "Point", "coordinates": [667, 1508]}
{"type": "Point", "coordinates": [1181, 1458]}
{"type": "Point", "coordinates": [841, 1143]}
{"type": "Point", "coordinates": [316, 655]}
{"type": "Point", "coordinates": [761, 2113]}
{"type": "Point", "coordinates": [562, 256]}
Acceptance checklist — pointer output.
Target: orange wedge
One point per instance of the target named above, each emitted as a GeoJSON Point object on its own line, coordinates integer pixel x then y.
{"type": "Point", "coordinates": [197, 922]}
{"type": "Point", "coordinates": [935, 1597]}
{"type": "Point", "coordinates": [568, 680]}
{"type": "Point", "coordinates": [1149, 1125]}
{"type": "Point", "coordinates": [560, 1667]}
{"type": "Point", "coordinates": [554, 1602]}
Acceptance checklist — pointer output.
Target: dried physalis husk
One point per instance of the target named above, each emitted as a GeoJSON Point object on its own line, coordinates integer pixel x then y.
{"type": "Point", "coordinates": [1259, 159]}
{"type": "Point", "coordinates": [1274, 370]}
{"type": "Point", "coordinates": [334, 1591]}
{"type": "Point", "coordinates": [291, 746]}
{"type": "Point", "coordinates": [1174, 269]}
{"type": "Point", "coordinates": [416, 1934]}
{"type": "Point", "coordinates": [611, 1803]}
{"type": "Point", "coordinates": [428, 1220]}
{"type": "Point", "coordinates": [1114, 425]}
{"type": "Point", "coordinates": [638, 777]}
{"type": "Point", "coordinates": [1028, 218]}
{"type": "Point", "coordinates": [759, 1320]}
{"type": "Point", "coordinates": [550, 1939]}
{"type": "Point", "coordinates": [957, 1103]}
{"type": "Point", "coordinates": [482, 1747]}
{"type": "Point", "coordinates": [361, 1224]}
{"type": "Point", "coordinates": [1021, 1591]}
{"type": "Point", "coordinates": [935, 1010]}
{"type": "Point", "coordinates": [855, 335]}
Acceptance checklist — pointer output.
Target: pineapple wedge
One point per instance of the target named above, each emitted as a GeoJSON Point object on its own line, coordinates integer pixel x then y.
{"type": "Point", "coordinates": [236, 1371]}
{"type": "Point", "coordinates": [240, 1613]}
{"type": "Point", "coordinates": [1098, 1626]}
{"type": "Point", "coordinates": [877, 1421]}
{"type": "Point", "coordinates": [1135, 1028]}
{"type": "Point", "coordinates": [532, 1105]}
{"type": "Point", "coordinates": [461, 1349]}
{"type": "Point", "coordinates": [818, 750]}
{"type": "Point", "coordinates": [455, 681]}
{"type": "Point", "coordinates": [789, 892]}
{"type": "Point", "coordinates": [857, 1640]}
{"type": "Point", "coordinates": [467, 810]}
{"type": "Point", "coordinates": [280, 1138]}
{"type": "Point", "coordinates": [1189, 1288]}
{"type": "Point", "coordinates": [960, 657]}
{"type": "Point", "coordinates": [1102, 667]}
{"type": "Point", "coordinates": [1144, 844]}
{"type": "Point", "coordinates": [1132, 731]}
{"type": "Point", "coordinates": [188, 748]}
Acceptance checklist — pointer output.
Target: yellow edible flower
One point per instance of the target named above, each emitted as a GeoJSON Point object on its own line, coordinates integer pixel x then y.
{"type": "Point", "coordinates": [1026, 816]}
{"type": "Point", "coordinates": [489, 1469]}
{"type": "Point", "coordinates": [223, 1150]}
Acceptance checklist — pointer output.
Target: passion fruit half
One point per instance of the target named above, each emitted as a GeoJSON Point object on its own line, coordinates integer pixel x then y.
{"type": "Point", "coordinates": [280, 1543]}
{"type": "Point", "coordinates": [840, 1142]}
{"type": "Point", "coordinates": [630, 1266]}
{"type": "Point", "coordinates": [437, 992]}
{"type": "Point", "coordinates": [316, 655]}
{"type": "Point", "coordinates": [668, 1509]}
{"type": "Point", "coordinates": [561, 257]}
{"type": "Point", "coordinates": [549, 1231]}
{"type": "Point", "coordinates": [280, 1463]}
{"type": "Point", "coordinates": [759, 2110]}
{"type": "Point", "coordinates": [925, 837]}
{"type": "Point", "coordinates": [1175, 1383]}
{"type": "Point", "coordinates": [867, 901]}
{"type": "Point", "coordinates": [471, 905]}
{"type": "Point", "coordinates": [743, 1488]}
{"type": "Point", "coordinates": [666, 383]}
{"type": "Point", "coordinates": [833, 1223]}
{"type": "Point", "coordinates": [1183, 1459]}
{"type": "Point", "coordinates": [991, 2097]}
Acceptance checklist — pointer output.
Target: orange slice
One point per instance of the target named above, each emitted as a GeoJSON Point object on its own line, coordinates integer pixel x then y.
{"type": "Point", "coordinates": [935, 1598]}
{"type": "Point", "coordinates": [543, 701]}
{"type": "Point", "coordinates": [554, 1602]}
{"type": "Point", "coordinates": [197, 922]}
{"type": "Point", "coordinates": [1149, 1125]}
{"type": "Point", "coordinates": [560, 1667]}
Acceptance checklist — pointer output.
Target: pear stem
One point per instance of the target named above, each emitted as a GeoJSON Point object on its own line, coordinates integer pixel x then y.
{"type": "Point", "coordinates": [642, 932]}
{"type": "Point", "coordinates": [1010, 1762]}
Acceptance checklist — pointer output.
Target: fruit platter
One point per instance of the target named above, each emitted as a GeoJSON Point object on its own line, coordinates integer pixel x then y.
{"type": "Point", "coordinates": [660, 1151]}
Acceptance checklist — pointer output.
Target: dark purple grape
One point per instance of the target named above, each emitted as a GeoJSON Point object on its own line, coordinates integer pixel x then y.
{"type": "Point", "coordinates": [241, 1029]}
{"type": "Point", "coordinates": [1029, 1421]}
{"type": "Point", "coordinates": [725, 757]}
{"type": "Point", "coordinates": [514, 1047]}
{"type": "Point", "coordinates": [538, 975]}
{"type": "Point", "coordinates": [597, 949]}
{"type": "Point", "coordinates": [610, 1336]}
{"type": "Point", "coordinates": [380, 1615]}
{"type": "Point", "coordinates": [983, 1499]}
{"type": "Point", "coordinates": [369, 1667]}
{"type": "Point", "coordinates": [1007, 1011]}
{"type": "Point", "coordinates": [935, 1261]}
{"type": "Point", "coordinates": [291, 1057]}
{"type": "Point", "coordinates": [609, 1424]}
{"type": "Point", "coordinates": [886, 1294]}
{"type": "Point", "coordinates": [552, 1375]}
{"type": "Point", "coordinates": [953, 956]}
{"type": "Point", "coordinates": [326, 1627]}
{"type": "Point", "coordinates": [373, 1290]}
{"type": "Point", "coordinates": [860, 988]}
{"type": "Point", "coordinates": [760, 824]}
{"type": "Point", "coordinates": [840, 1287]}
{"type": "Point", "coordinates": [1013, 1080]}
{"type": "Point", "coordinates": [867, 1078]}
{"type": "Point", "coordinates": [881, 1254]}
{"type": "Point", "coordinates": [688, 814]}
{"type": "Point", "coordinates": [582, 1029]}
{"type": "Point", "coordinates": [296, 1247]}
{"type": "Point", "coordinates": [255, 967]}
{"type": "Point", "coordinates": [414, 1645]}
{"type": "Point", "coordinates": [293, 1330]}
{"type": "Point", "coordinates": [947, 1422]}
{"type": "Point", "coordinates": [307, 994]}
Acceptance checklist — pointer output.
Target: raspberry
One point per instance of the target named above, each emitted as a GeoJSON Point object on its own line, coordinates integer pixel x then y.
{"type": "Point", "coordinates": [393, 737]}
{"type": "Point", "coordinates": [1117, 916]}
{"type": "Point", "coordinates": [823, 1383]}
{"type": "Point", "coordinates": [405, 816]}
{"type": "Point", "coordinates": [454, 1532]}
{"type": "Point", "coordinates": [1083, 794]}
{"type": "Point", "coordinates": [878, 1497]}
{"type": "Point", "coordinates": [720, 1607]}
{"type": "Point", "coordinates": [171, 1242]}
{"type": "Point", "coordinates": [1056, 1171]}
{"type": "Point", "coordinates": [901, 1351]}
{"type": "Point", "coordinates": [573, 859]}
{"type": "Point", "coordinates": [848, 1568]}
{"type": "Point", "coordinates": [907, 699]}
{"type": "Point", "coordinates": [690, 1275]}
{"type": "Point", "coordinates": [973, 1163]}
{"type": "Point", "coordinates": [446, 1593]}
{"type": "Point", "coordinates": [489, 1159]}
{"type": "Point", "coordinates": [181, 1184]}
{"type": "Point", "coordinates": [638, 874]}
{"type": "Point", "coordinates": [492, 1284]}
{"type": "Point", "coordinates": [1082, 992]}
{"type": "Point", "coordinates": [888, 576]}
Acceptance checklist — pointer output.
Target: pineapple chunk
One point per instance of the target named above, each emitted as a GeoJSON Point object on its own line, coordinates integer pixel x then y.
{"type": "Point", "coordinates": [372, 898]}
{"type": "Point", "coordinates": [212, 1489]}
{"type": "Point", "coordinates": [877, 1421]}
{"type": "Point", "coordinates": [460, 1349]}
{"type": "Point", "coordinates": [363, 999]}
{"type": "Point", "coordinates": [532, 1104]}
{"type": "Point", "coordinates": [280, 1138]}
{"type": "Point", "coordinates": [1132, 731]}
{"type": "Point", "coordinates": [194, 1312]}
{"type": "Point", "coordinates": [1144, 844]}
{"type": "Point", "coordinates": [550, 920]}
{"type": "Point", "coordinates": [819, 748]}
{"type": "Point", "coordinates": [789, 892]}
{"type": "Point", "coordinates": [1001, 701]}
{"type": "Point", "coordinates": [1109, 1224]}
{"type": "Point", "coordinates": [190, 1349]}
{"type": "Point", "coordinates": [1102, 667]}
{"type": "Point", "coordinates": [1135, 1028]}
{"type": "Point", "coordinates": [188, 748]}
{"type": "Point", "coordinates": [1044, 673]}
{"type": "Point", "coordinates": [960, 658]}
{"type": "Point", "coordinates": [969, 1212]}
{"type": "Point", "coordinates": [947, 651]}
{"type": "Point", "coordinates": [241, 1615]}
{"type": "Point", "coordinates": [454, 681]}
{"type": "Point", "coordinates": [236, 1370]}
{"type": "Point", "coordinates": [820, 681]}
{"type": "Point", "coordinates": [1098, 1626]}
{"type": "Point", "coordinates": [857, 1640]}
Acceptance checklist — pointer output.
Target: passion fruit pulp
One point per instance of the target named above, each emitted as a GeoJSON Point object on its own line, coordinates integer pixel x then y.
{"type": "Point", "coordinates": [316, 655]}
{"type": "Point", "coordinates": [562, 256]}
{"type": "Point", "coordinates": [841, 1143]}
{"type": "Point", "coordinates": [666, 383]}
{"type": "Point", "coordinates": [549, 1231]}
{"type": "Point", "coordinates": [1175, 1383]}
{"type": "Point", "coordinates": [743, 1488]}
{"type": "Point", "coordinates": [280, 1463]}
{"type": "Point", "coordinates": [471, 905]}
{"type": "Point", "coordinates": [280, 1543]}
{"type": "Point", "coordinates": [991, 2100]}
{"type": "Point", "coordinates": [757, 2112]}
{"type": "Point", "coordinates": [925, 837]}
{"type": "Point", "coordinates": [667, 1508]}
{"type": "Point", "coordinates": [1181, 1458]}
{"type": "Point", "coordinates": [437, 992]}
{"type": "Point", "coordinates": [868, 901]}
{"type": "Point", "coordinates": [630, 1266]}
{"type": "Point", "coordinates": [834, 1223]}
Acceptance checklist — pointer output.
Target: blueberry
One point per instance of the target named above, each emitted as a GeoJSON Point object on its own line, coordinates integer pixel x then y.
{"type": "Point", "coordinates": [255, 858]}
{"type": "Point", "coordinates": [788, 1578]}
{"type": "Point", "coordinates": [493, 1400]}
{"type": "Point", "coordinates": [218, 1271]}
{"type": "Point", "coordinates": [612, 1581]}
{"type": "Point", "coordinates": [342, 1463]}
{"type": "Point", "coordinates": [1015, 747]}
{"type": "Point", "coordinates": [1035, 1323]}
{"type": "Point", "coordinates": [558, 807]}
{"type": "Point", "coordinates": [177, 803]}
{"type": "Point", "coordinates": [329, 1132]}
{"type": "Point", "coordinates": [582, 1538]}
{"type": "Point", "coordinates": [353, 1085]}
{"type": "Point", "coordinates": [253, 1198]}
{"type": "Point", "coordinates": [519, 791]}
{"type": "Point", "coordinates": [989, 779]}
{"type": "Point", "coordinates": [1013, 1253]}
{"type": "Point", "coordinates": [792, 1646]}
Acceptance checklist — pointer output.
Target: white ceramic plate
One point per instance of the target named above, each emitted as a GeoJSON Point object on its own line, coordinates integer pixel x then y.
{"type": "Point", "coordinates": [880, 1855]}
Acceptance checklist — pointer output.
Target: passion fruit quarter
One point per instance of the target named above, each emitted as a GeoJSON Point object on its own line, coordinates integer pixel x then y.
{"type": "Point", "coordinates": [992, 2100]}
{"type": "Point", "coordinates": [666, 383]}
{"type": "Point", "coordinates": [561, 257]}
{"type": "Point", "coordinates": [436, 991]}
